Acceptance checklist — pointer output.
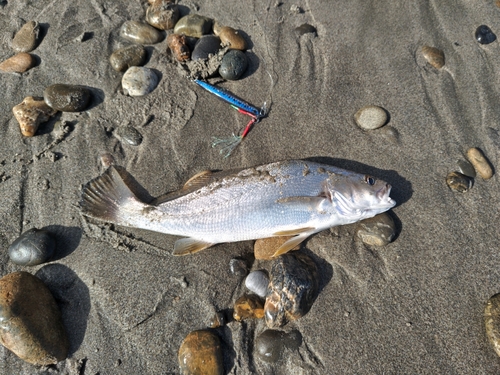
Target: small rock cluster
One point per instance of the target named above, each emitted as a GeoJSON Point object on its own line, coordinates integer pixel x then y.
{"type": "Point", "coordinates": [25, 41]}
{"type": "Point", "coordinates": [463, 180]}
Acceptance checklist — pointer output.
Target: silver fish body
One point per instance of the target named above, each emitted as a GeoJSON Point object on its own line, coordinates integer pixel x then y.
{"type": "Point", "coordinates": [284, 198]}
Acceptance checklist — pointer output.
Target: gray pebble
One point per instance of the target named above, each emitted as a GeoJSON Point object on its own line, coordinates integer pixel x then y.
{"type": "Point", "coordinates": [67, 98]}
{"type": "Point", "coordinates": [371, 117]}
{"type": "Point", "coordinates": [458, 182]}
{"type": "Point", "coordinates": [193, 25]}
{"type": "Point", "coordinates": [140, 33]}
{"type": "Point", "coordinates": [33, 247]}
{"type": "Point", "coordinates": [305, 29]}
{"type": "Point", "coordinates": [233, 65]}
{"type": "Point", "coordinates": [258, 283]}
{"type": "Point", "coordinates": [238, 267]}
{"type": "Point", "coordinates": [271, 344]}
{"type": "Point", "coordinates": [376, 231]}
{"type": "Point", "coordinates": [162, 14]}
{"type": "Point", "coordinates": [466, 168]}
{"type": "Point", "coordinates": [26, 39]}
{"type": "Point", "coordinates": [124, 58]}
{"type": "Point", "coordinates": [434, 56]}
{"type": "Point", "coordinates": [205, 46]}
{"type": "Point", "coordinates": [130, 135]}
{"type": "Point", "coordinates": [139, 81]}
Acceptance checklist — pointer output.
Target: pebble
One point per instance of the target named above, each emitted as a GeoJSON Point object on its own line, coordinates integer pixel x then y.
{"type": "Point", "coordinates": [238, 267]}
{"type": "Point", "coordinates": [484, 35]}
{"type": "Point", "coordinates": [162, 14]}
{"type": "Point", "coordinates": [139, 81]}
{"type": "Point", "coordinates": [434, 56]}
{"type": "Point", "coordinates": [67, 98]}
{"type": "Point", "coordinates": [218, 320]}
{"type": "Point", "coordinates": [200, 353]}
{"type": "Point", "coordinates": [265, 248]}
{"type": "Point", "coordinates": [217, 27]}
{"type": "Point", "coordinates": [31, 113]}
{"type": "Point", "coordinates": [130, 135]}
{"type": "Point", "coordinates": [179, 47]}
{"type": "Point", "coordinates": [458, 182]}
{"type": "Point", "coordinates": [233, 65]}
{"type": "Point", "coordinates": [466, 168]}
{"type": "Point", "coordinates": [480, 163]}
{"type": "Point", "coordinates": [271, 344]}
{"type": "Point", "coordinates": [193, 25]}
{"type": "Point", "coordinates": [492, 322]}
{"type": "Point", "coordinates": [124, 58]}
{"type": "Point", "coordinates": [26, 39]}
{"type": "Point", "coordinates": [18, 63]}
{"type": "Point", "coordinates": [371, 117]}
{"type": "Point", "coordinates": [231, 38]}
{"type": "Point", "coordinates": [31, 326]}
{"type": "Point", "coordinates": [377, 231]}
{"type": "Point", "coordinates": [140, 33]}
{"type": "Point", "coordinates": [107, 160]}
{"type": "Point", "coordinates": [292, 289]}
{"type": "Point", "coordinates": [205, 46]}
{"type": "Point", "coordinates": [33, 247]}
{"type": "Point", "coordinates": [248, 306]}
{"type": "Point", "coordinates": [305, 29]}
{"type": "Point", "coordinates": [257, 282]}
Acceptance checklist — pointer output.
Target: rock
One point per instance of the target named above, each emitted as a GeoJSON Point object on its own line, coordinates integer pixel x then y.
{"type": "Point", "coordinates": [484, 35]}
{"type": "Point", "coordinates": [258, 283]}
{"type": "Point", "coordinates": [305, 29]}
{"type": "Point", "coordinates": [264, 248]}
{"type": "Point", "coordinates": [31, 321]}
{"type": "Point", "coordinates": [248, 306]}
{"type": "Point", "coordinates": [231, 38]}
{"type": "Point", "coordinates": [139, 81]}
{"type": "Point", "coordinates": [129, 135]}
{"type": "Point", "coordinates": [271, 344]}
{"type": "Point", "coordinates": [434, 56]}
{"type": "Point", "coordinates": [371, 117]}
{"type": "Point", "coordinates": [205, 46]}
{"type": "Point", "coordinates": [33, 247]}
{"type": "Point", "coordinates": [492, 322]}
{"type": "Point", "coordinates": [67, 98]}
{"type": "Point", "coordinates": [238, 267]}
{"type": "Point", "coordinates": [193, 25]}
{"type": "Point", "coordinates": [31, 113]}
{"type": "Point", "coordinates": [458, 182]}
{"type": "Point", "coordinates": [218, 320]}
{"type": "Point", "coordinates": [140, 33]}
{"type": "Point", "coordinates": [18, 63]}
{"type": "Point", "coordinates": [480, 163]}
{"type": "Point", "coordinates": [376, 231]}
{"type": "Point", "coordinates": [162, 14]}
{"type": "Point", "coordinates": [217, 27]}
{"type": "Point", "coordinates": [107, 160]}
{"type": "Point", "coordinates": [200, 354]}
{"type": "Point", "coordinates": [124, 58]}
{"type": "Point", "coordinates": [233, 65]}
{"type": "Point", "coordinates": [26, 39]}
{"type": "Point", "coordinates": [179, 47]}
{"type": "Point", "coordinates": [466, 168]}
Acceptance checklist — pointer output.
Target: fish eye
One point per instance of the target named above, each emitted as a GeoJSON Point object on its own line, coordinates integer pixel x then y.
{"type": "Point", "coordinates": [370, 180]}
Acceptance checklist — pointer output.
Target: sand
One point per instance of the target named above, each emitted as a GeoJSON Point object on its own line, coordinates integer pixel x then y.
{"type": "Point", "coordinates": [414, 306]}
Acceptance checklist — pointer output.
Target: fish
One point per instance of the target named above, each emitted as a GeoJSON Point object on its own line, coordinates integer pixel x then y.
{"type": "Point", "coordinates": [288, 198]}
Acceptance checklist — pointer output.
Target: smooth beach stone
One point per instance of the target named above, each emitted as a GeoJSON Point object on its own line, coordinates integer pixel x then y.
{"type": "Point", "coordinates": [492, 322]}
{"type": "Point", "coordinates": [139, 81]}
{"type": "Point", "coordinates": [200, 354]}
{"type": "Point", "coordinates": [233, 65]}
{"type": "Point", "coordinates": [30, 321]}
{"type": "Point", "coordinates": [231, 38]}
{"type": "Point", "coordinates": [130, 135]}
{"type": "Point", "coordinates": [193, 25]}
{"type": "Point", "coordinates": [140, 33]}
{"type": "Point", "coordinates": [238, 267]}
{"type": "Point", "coordinates": [271, 343]}
{"type": "Point", "coordinates": [466, 168]}
{"type": "Point", "coordinates": [31, 113]}
{"type": "Point", "coordinates": [107, 160]}
{"type": "Point", "coordinates": [162, 14]}
{"type": "Point", "coordinates": [218, 320]}
{"type": "Point", "coordinates": [179, 46]}
{"type": "Point", "coordinates": [257, 282]}
{"type": "Point", "coordinates": [26, 39]}
{"type": "Point", "coordinates": [305, 28]}
{"type": "Point", "coordinates": [124, 58]}
{"type": "Point", "coordinates": [434, 56]}
{"type": "Point", "coordinates": [265, 248]}
{"type": "Point", "coordinates": [484, 35]}
{"type": "Point", "coordinates": [371, 117]}
{"type": "Point", "coordinates": [67, 98]}
{"type": "Point", "coordinates": [33, 247]}
{"type": "Point", "coordinates": [480, 163]}
{"type": "Point", "coordinates": [205, 46]}
{"type": "Point", "coordinates": [248, 306]}
{"type": "Point", "coordinates": [217, 27]}
{"type": "Point", "coordinates": [18, 63]}
{"type": "Point", "coordinates": [377, 231]}
{"type": "Point", "coordinates": [458, 182]}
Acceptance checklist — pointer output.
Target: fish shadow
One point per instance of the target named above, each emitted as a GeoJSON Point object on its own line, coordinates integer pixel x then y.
{"type": "Point", "coordinates": [136, 188]}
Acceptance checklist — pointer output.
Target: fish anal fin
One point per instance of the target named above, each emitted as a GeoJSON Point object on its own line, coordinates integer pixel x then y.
{"type": "Point", "coordinates": [291, 243]}
{"type": "Point", "coordinates": [293, 232]}
{"type": "Point", "coordinates": [189, 245]}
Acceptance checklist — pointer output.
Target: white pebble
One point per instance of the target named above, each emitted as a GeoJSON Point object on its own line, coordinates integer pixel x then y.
{"type": "Point", "coordinates": [371, 117]}
{"type": "Point", "coordinates": [139, 81]}
{"type": "Point", "coordinates": [257, 282]}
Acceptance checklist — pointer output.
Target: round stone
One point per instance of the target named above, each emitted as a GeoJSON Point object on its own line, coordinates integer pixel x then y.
{"type": "Point", "coordinates": [205, 46]}
{"type": "Point", "coordinates": [33, 247]}
{"type": "Point", "coordinates": [67, 98]}
{"type": "Point", "coordinates": [178, 44]}
{"type": "Point", "coordinates": [140, 33]}
{"type": "Point", "coordinates": [271, 344]}
{"type": "Point", "coordinates": [265, 248]}
{"type": "Point", "coordinates": [434, 56]}
{"type": "Point", "coordinates": [305, 29]}
{"type": "Point", "coordinates": [233, 65]}
{"type": "Point", "coordinates": [484, 35]}
{"type": "Point", "coordinates": [466, 168]}
{"type": "Point", "coordinates": [139, 81]}
{"type": "Point", "coordinates": [31, 113]}
{"type": "Point", "coordinates": [377, 231]}
{"type": "Point", "coordinates": [31, 321]}
{"type": "Point", "coordinates": [480, 163]}
{"type": "Point", "coordinates": [162, 14]}
{"type": "Point", "coordinates": [26, 39]}
{"type": "Point", "coordinates": [18, 63]}
{"type": "Point", "coordinates": [258, 283]}
{"type": "Point", "coordinates": [371, 117]}
{"type": "Point", "coordinates": [231, 38]}
{"type": "Point", "coordinates": [200, 353]}
{"type": "Point", "coordinates": [248, 306]}
{"type": "Point", "coordinates": [458, 182]}
{"type": "Point", "coordinates": [193, 25]}
{"type": "Point", "coordinates": [130, 135]}
{"type": "Point", "coordinates": [238, 267]}
{"type": "Point", "coordinates": [124, 58]}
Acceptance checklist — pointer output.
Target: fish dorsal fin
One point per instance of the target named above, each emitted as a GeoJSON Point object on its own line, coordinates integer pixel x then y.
{"type": "Point", "coordinates": [293, 242]}
{"type": "Point", "coordinates": [189, 245]}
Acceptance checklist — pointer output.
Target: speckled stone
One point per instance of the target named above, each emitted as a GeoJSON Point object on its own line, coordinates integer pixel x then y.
{"type": "Point", "coordinates": [258, 283]}
{"type": "Point", "coordinates": [480, 163]}
{"type": "Point", "coordinates": [129, 135]}
{"type": "Point", "coordinates": [140, 33]}
{"type": "Point", "coordinates": [67, 98]}
{"type": "Point", "coordinates": [193, 25]}
{"type": "Point", "coordinates": [162, 14]}
{"type": "Point", "coordinates": [458, 182]}
{"type": "Point", "coordinates": [31, 113]}
{"type": "Point", "coordinates": [371, 117]}
{"type": "Point", "coordinates": [248, 306]}
{"type": "Point", "coordinates": [270, 344]}
{"type": "Point", "coordinates": [18, 63]}
{"type": "Point", "coordinates": [33, 247]}
{"type": "Point", "coordinates": [305, 29]}
{"type": "Point", "coordinates": [139, 81]}
{"type": "Point", "coordinates": [205, 46]}
{"type": "Point", "coordinates": [484, 35]}
{"type": "Point", "coordinates": [265, 248]}
{"type": "Point", "coordinates": [233, 65]}
{"type": "Point", "coordinates": [434, 56]}
{"type": "Point", "coordinates": [376, 231]}
{"type": "Point", "coordinates": [231, 38]}
{"type": "Point", "coordinates": [31, 325]}
{"type": "Point", "coordinates": [26, 39]}
{"type": "Point", "coordinates": [200, 354]}
{"type": "Point", "coordinates": [124, 58]}
{"type": "Point", "coordinates": [178, 44]}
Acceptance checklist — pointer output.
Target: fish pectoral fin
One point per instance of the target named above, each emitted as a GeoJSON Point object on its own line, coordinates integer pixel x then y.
{"type": "Point", "coordinates": [291, 243]}
{"type": "Point", "coordinates": [198, 180]}
{"type": "Point", "coordinates": [189, 245]}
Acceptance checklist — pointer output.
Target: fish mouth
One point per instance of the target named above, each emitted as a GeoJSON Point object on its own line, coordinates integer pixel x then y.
{"type": "Point", "coordinates": [383, 195]}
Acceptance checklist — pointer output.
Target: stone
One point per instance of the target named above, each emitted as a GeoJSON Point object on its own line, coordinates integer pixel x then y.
{"type": "Point", "coordinates": [67, 98]}
{"type": "Point", "coordinates": [139, 81]}
{"type": "Point", "coordinates": [233, 65]}
{"type": "Point", "coordinates": [466, 168]}
{"type": "Point", "coordinates": [480, 163]}
{"type": "Point", "coordinates": [205, 46]}
{"type": "Point", "coordinates": [130, 135]}
{"type": "Point", "coordinates": [26, 39]}
{"type": "Point", "coordinates": [371, 117]}
{"type": "Point", "coordinates": [270, 344]}
{"type": "Point", "coordinates": [33, 247]}
{"type": "Point", "coordinates": [238, 267]}
{"type": "Point", "coordinates": [31, 113]}
{"type": "Point", "coordinates": [248, 306]}
{"type": "Point", "coordinates": [484, 35]}
{"type": "Point", "coordinates": [107, 160]}
{"type": "Point", "coordinates": [18, 63]}
{"type": "Point", "coordinates": [193, 25]}
{"type": "Point", "coordinates": [178, 44]}
{"type": "Point", "coordinates": [231, 38]}
{"type": "Point", "coordinates": [458, 182]}
{"type": "Point", "coordinates": [492, 322]}
{"type": "Point", "coordinates": [162, 14]}
{"type": "Point", "coordinates": [124, 58]}
{"type": "Point", "coordinates": [305, 28]}
{"type": "Point", "coordinates": [31, 325]}
{"type": "Point", "coordinates": [379, 230]}
{"type": "Point", "coordinates": [140, 33]}
{"type": "Point", "coordinates": [218, 320]}
{"type": "Point", "coordinates": [264, 248]}
{"type": "Point", "coordinates": [434, 56]}
{"type": "Point", "coordinates": [217, 27]}
{"type": "Point", "coordinates": [258, 283]}
{"type": "Point", "coordinates": [200, 354]}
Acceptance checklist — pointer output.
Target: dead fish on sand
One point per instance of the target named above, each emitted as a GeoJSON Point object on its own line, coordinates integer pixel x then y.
{"type": "Point", "coordinates": [290, 198]}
